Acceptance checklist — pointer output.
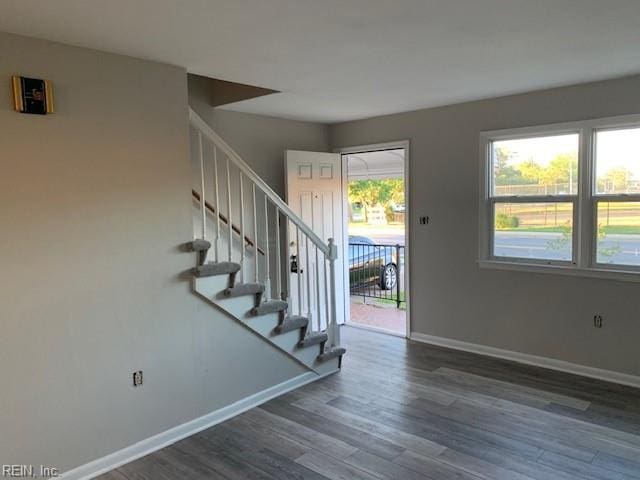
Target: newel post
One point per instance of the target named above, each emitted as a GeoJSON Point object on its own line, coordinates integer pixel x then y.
{"type": "Point", "coordinates": [333, 330]}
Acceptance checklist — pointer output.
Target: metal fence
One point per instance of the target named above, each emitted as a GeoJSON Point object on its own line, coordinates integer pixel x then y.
{"type": "Point", "coordinates": [377, 271]}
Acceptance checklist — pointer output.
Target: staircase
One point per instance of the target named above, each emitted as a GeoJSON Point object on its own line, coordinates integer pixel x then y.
{"type": "Point", "coordinates": [244, 268]}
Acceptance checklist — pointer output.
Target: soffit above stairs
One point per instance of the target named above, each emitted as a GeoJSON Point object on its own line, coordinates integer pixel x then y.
{"type": "Point", "coordinates": [222, 92]}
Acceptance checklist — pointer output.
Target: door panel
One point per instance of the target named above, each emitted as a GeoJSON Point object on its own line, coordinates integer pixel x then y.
{"type": "Point", "coordinates": [314, 192]}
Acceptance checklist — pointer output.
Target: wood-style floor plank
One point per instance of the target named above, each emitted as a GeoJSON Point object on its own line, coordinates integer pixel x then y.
{"type": "Point", "coordinates": [405, 410]}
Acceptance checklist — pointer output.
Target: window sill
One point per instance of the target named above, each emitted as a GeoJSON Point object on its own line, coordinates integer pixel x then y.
{"type": "Point", "coordinates": [599, 273]}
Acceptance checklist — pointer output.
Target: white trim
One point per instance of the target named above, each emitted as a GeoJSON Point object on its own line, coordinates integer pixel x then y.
{"type": "Point", "coordinates": [171, 436]}
{"type": "Point", "coordinates": [527, 359]}
{"type": "Point", "coordinates": [345, 236]}
{"type": "Point", "coordinates": [406, 144]}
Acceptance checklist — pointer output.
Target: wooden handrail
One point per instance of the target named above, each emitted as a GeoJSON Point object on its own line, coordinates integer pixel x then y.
{"type": "Point", "coordinates": [212, 211]}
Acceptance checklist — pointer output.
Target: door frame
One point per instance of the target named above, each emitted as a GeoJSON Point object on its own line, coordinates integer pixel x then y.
{"type": "Point", "coordinates": [372, 147]}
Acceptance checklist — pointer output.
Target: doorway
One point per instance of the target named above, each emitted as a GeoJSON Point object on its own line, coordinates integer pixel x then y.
{"type": "Point", "coordinates": [375, 193]}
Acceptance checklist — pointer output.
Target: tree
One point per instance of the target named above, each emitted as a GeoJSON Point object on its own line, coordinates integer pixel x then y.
{"type": "Point", "coordinates": [377, 192]}
{"type": "Point", "coordinates": [531, 171]}
{"type": "Point", "coordinates": [562, 168]}
{"type": "Point", "coordinates": [506, 174]}
{"type": "Point", "coordinates": [617, 179]}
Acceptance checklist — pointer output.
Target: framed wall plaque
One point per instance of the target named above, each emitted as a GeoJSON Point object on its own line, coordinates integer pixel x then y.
{"type": "Point", "coordinates": [32, 95]}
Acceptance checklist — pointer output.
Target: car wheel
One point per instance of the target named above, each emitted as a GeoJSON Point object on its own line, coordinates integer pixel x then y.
{"type": "Point", "coordinates": [389, 277]}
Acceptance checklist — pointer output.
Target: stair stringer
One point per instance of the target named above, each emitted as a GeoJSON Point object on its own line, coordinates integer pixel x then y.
{"type": "Point", "coordinates": [211, 289]}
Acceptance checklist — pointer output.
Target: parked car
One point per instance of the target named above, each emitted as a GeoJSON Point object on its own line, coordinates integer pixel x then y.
{"type": "Point", "coordinates": [371, 264]}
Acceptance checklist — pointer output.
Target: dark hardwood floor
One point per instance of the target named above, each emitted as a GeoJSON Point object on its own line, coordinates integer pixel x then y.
{"type": "Point", "coordinates": [402, 410]}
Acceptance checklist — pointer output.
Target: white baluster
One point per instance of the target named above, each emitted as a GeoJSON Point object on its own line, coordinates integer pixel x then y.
{"type": "Point", "coordinates": [333, 331]}
{"type": "Point", "coordinates": [317, 297]}
{"type": "Point", "coordinates": [299, 267]}
{"type": "Point", "coordinates": [308, 281]}
{"type": "Point", "coordinates": [255, 231]}
{"type": "Point", "coordinates": [203, 207]}
{"type": "Point", "coordinates": [229, 215]}
{"type": "Point", "coordinates": [217, 205]}
{"type": "Point", "coordinates": [278, 264]}
{"type": "Point", "coordinates": [266, 250]}
{"type": "Point", "coordinates": [326, 292]}
{"type": "Point", "coordinates": [242, 244]}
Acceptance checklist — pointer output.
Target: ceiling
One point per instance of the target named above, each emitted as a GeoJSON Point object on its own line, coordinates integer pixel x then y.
{"type": "Point", "coordinates": [376, 165]}
{"type": "Point", "coordinates": [336, 60]}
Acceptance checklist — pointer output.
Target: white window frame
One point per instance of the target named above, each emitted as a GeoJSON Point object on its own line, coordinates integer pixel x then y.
{"type": "Point", "coordinates": [584, 238]}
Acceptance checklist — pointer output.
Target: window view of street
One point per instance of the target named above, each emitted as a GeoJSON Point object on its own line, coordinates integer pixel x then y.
{"type": "Point", "coordinates": [545, 169]}
{"type": "Point", "coordinates": [535, 167]}
{"type": "Point", "coordinates": [618, 176]}
{"type": "Point", "coordinates": [618, 233]}
{"type": "Point", "coordinates": [534, 230]}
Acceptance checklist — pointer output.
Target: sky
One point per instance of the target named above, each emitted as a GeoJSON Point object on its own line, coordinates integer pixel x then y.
{"type": "Point", "coordinates": [618, 148]}
{"type": "Point", "coordinates": [614, 149]}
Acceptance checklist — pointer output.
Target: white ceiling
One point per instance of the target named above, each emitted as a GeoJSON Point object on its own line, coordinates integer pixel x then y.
{"type": "Point", "coordinates": [336, 60]}
{"type": "Point", "coordinates": [372, 165]}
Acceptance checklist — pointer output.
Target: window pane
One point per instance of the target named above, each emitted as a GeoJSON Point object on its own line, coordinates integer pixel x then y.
{"type": "Point", "coordinates": [618, 161]}
{"type": "Point", "coordinates": [539, 231]}
{"type": "Point", "coordinates": [619, 233]}
{"type": "Point", "coordinates": [536, 166]}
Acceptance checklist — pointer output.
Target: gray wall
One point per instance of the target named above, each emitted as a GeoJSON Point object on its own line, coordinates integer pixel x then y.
{"type": "Point", "coordinates": [94, 200]}
{"type": "Point", "coordinates": [540, 314]}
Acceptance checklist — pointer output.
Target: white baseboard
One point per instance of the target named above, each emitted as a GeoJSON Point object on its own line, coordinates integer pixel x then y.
{"type": "Point", "coordinates": [168, 437]}
{"type": "Point", "coordinates": [550, 363]}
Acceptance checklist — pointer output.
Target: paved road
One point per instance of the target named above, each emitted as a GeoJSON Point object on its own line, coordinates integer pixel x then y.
{"type": "Point", "coordinates": [622, 249]}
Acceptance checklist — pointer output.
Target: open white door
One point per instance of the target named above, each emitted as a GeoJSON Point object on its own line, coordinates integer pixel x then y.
{"type": "Point", "coordinates": [314, 192]}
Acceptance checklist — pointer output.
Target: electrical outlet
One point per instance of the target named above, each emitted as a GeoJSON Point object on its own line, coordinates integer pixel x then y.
{"type": "Point", "coordinates": [137, 378]}
{"type": "Point", "coordinates": [597, 321]}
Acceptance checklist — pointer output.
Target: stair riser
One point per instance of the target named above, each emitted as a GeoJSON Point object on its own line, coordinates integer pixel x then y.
{"type": "Point", "coordinates": [307, 355]}
{"type": "Point", "coordinates": [239, 307]}
{"type": "Point", "coordinates": [212, 287]}
{"type": "Point", "coordinates": [326, 367]}
{"type": "Point", "coordinates": [209, 287]}
{"type": "Point", "coordinates": [288, 341]}
{"type": "Point", "coordinates": [285, 341]}
{"type": "Point", "coordinates": [263, 325]}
